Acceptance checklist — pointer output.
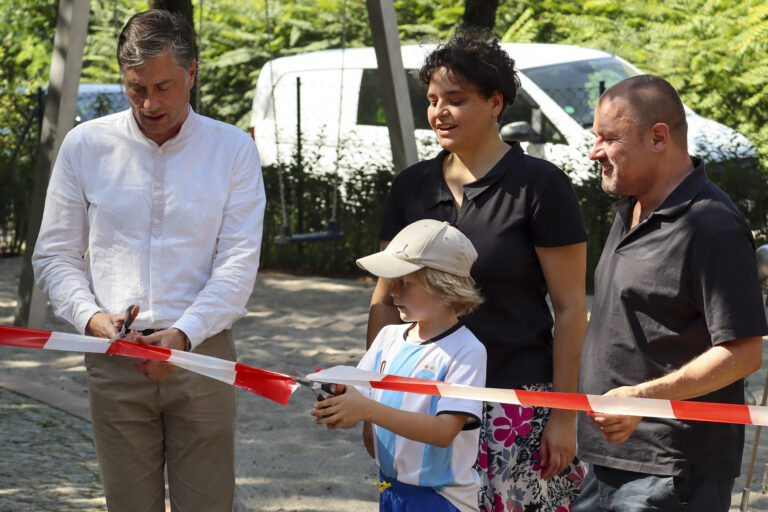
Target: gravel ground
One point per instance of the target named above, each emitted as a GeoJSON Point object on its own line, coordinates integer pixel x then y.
{"type": "Point", "coordinates": [284, 462]}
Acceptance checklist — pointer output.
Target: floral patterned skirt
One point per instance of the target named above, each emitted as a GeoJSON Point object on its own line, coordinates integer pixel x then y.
{"type": "Point", "coordinates": [509, 462]}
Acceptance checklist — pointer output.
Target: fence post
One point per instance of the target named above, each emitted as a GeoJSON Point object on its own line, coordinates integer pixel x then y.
{"type": "Point", "coordinates": [60, 103]}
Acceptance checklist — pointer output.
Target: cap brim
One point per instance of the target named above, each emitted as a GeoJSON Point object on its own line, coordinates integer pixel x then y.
{"type": "Point", "coordinates": [383, 264]}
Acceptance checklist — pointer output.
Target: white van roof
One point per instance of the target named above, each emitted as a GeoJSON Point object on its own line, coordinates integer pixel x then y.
{"type": "Point", "coordinates": [526, 55]}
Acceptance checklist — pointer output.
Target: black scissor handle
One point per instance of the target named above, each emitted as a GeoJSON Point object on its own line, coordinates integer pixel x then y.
{"type": "Point", "coordinates": [326, 390]}
{"type": "Point", "coordinates": [128, 320]}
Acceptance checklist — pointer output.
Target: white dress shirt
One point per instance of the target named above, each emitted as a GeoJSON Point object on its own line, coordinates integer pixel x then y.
{"type": "Point", "coordinates": [175, 228]}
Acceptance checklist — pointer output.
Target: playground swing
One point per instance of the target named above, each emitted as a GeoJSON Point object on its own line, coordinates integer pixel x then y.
{"type": "Point", "coordinates": [332, 231]}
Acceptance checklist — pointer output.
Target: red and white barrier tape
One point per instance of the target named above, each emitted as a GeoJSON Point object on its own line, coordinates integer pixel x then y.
{"type": "Point", "coordinates": [647, 407]}
{"type": "Point", "coordinates": [272, 385]}
{"type": "Point", "coordinates": [279, 386]}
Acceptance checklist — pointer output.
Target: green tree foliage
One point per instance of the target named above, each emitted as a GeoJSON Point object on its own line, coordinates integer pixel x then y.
{"type": "Point", "coordinates": [714, 51]}
{"type": "Point", "coordinates": [26, 40]}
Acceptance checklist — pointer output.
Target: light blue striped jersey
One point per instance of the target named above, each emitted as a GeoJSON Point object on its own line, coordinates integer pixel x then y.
{"type": "Point", "coordinates": [455, 356]}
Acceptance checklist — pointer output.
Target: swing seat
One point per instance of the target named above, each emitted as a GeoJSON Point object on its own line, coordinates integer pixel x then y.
{"type": "Point", "coordinates": [332, 233]}
{"type": "Point", "coordinates": [284, 237]}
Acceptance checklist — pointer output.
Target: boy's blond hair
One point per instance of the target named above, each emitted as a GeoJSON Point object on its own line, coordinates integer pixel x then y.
{"type": "Point", "coordinates": [456, 291]}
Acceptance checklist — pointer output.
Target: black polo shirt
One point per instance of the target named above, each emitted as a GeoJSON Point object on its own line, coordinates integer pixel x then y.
{"type": "Point", "coordinates": [681, 281]}
{"type": "Point", "coordinates": [521, 203]}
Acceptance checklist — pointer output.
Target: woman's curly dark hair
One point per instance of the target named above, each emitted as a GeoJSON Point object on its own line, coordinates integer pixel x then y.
{"type": "Point", "coordinates": [484, 64]}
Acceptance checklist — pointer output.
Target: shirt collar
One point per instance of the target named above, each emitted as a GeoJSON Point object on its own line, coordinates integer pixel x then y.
{"type": "Point", "coordinates": [187, 128]}
{"type": "Point", "coordinates": [677, 202]}
{"type": "Point", "coordinates": [440, 192]}
{"type": "Point", "coordinates": [440, 336]}
{"type": "Point", "coordinates": [685, 192]}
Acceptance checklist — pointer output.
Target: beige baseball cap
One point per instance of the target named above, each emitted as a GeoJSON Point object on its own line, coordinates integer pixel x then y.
{"type": "Point", "coordinates": [425, 243]}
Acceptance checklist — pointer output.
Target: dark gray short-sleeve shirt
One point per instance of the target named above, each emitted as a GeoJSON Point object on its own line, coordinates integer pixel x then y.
{"type": "Point", "coordinates": [681, 281]}
{"type": "Point", "coordinates": [521, 203]}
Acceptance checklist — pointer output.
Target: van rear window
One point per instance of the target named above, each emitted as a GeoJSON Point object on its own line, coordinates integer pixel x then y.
{"type": "Point", "coordinates": [370, 106]}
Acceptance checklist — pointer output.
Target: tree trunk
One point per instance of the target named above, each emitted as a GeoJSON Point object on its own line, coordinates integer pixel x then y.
{"type": "Point", "coordinates": [479, 15]}
{"type": "Point", "coordinates": [183, 7]}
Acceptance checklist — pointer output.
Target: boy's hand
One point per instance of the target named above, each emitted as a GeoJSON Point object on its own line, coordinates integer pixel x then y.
{"type": "Point", "coordinates": [345, 410]}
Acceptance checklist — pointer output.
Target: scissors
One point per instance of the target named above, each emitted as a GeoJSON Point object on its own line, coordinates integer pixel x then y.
{"type": "Point", "coordinates": [125, 329]}
{"type": "Point", "coordinates": [321, 391]}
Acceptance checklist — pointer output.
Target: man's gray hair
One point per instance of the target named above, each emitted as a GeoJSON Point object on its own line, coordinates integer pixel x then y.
{"type": "Point", "coordinates": [150, 33]}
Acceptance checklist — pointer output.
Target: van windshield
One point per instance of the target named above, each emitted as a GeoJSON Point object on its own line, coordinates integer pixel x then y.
{"type": "Point", "coordinates": [576, 86]}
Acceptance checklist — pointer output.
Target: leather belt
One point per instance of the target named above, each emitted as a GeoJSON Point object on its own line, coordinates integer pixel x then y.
{"type": "Point", "coordinates": [147, 332]}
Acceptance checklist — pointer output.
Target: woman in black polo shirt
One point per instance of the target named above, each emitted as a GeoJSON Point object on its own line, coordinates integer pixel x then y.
{"type": "Point", "coordinates": [522, 216]}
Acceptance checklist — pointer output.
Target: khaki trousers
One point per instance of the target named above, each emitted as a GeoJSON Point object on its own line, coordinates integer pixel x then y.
{"type": "Point", "coordinates": [186, 422]}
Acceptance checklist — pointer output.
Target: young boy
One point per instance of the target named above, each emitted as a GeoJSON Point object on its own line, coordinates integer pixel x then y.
{"type": "Point", "coordinates": [425, 446]}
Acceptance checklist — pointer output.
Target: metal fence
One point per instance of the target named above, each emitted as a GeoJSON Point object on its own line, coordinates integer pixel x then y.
{"type": "Point", "coordinates": [20, 122]}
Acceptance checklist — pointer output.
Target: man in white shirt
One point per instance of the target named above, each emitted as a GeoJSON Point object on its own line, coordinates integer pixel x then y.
{"type": "Point", "coordinates": [160, 207]}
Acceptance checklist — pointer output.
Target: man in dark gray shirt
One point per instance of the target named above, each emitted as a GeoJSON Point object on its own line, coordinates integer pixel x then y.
{"type": "Point", "coordinates": [678, 313]}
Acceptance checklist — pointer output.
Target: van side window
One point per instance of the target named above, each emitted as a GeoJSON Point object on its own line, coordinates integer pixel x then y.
{"type": "Point", "coordinates": [522, 110]}
{"type": "Point", "coordinates": [370, 106]}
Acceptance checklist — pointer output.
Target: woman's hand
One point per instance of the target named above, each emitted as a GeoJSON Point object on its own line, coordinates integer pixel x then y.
{"type": "Point", "coordinates": [558, 443]}
{"type": "Point", "coordinates": [345, 410]}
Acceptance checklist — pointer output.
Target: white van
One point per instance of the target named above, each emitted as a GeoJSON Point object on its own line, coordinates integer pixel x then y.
{"type": "Point", "coordinates": [340, 100]}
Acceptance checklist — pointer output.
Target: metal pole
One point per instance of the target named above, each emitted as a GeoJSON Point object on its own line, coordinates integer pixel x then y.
{"type": "Point", "coordinates": [761, 255]}
{"type": "Point", "coordinates": [746, 491]}
{"type": "Point", "coordinates": [757, 438]}
{"type": "Point", "coordinates": [299, 169]}
{"type": "Point", "coordinates": [60, 103]}
{"type": "Point", "coordinates": [744, 500]}
{"type": "Point", "coordinates": [764, 489]}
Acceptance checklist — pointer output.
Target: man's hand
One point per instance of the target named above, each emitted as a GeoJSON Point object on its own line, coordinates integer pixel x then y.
{"type": "Point", "coordinates": [558, 443]}
{"type": "Point", "coordinates": [172, 338]}
{"type": "Point", "coordinates": [617, 428]}
{"type": "Point", "coordinates": [342, 411]}
{"type": "Point", "coordinates": [106, 325]}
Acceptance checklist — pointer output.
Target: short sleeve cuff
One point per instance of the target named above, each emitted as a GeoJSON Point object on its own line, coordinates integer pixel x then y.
{"type": "Point", "coordinates": [721, 337]}
{"type": "Point", "coordinates": [473, 408]}
{"type": "Point", "coordinates": [83, 315]}
{"type": "Point", "coordinates": [192, 329]}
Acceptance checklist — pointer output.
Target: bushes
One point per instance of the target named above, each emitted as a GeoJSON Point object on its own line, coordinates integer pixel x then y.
{"type": "Point", "coordinates": [19, 135]}
{"type": "Point", "coordinates": [309, 201]}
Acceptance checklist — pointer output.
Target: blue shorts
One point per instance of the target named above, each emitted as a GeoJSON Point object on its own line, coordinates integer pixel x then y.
{"type": "Point", "coordinates": [402, 497]}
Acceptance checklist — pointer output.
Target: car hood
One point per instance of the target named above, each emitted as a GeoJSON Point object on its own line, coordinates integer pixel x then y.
{"type": "Point", "coordinates": [713, 141]}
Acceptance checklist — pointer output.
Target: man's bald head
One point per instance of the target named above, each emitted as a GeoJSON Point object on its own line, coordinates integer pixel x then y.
{"type": "Point", "coordinates": [652, 100]}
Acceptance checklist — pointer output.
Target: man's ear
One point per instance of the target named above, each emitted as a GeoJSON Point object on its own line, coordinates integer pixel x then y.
{"type": "Point", "coordinates": [191, 73]}
{"type": "Point", "coordinates": [660, 136]}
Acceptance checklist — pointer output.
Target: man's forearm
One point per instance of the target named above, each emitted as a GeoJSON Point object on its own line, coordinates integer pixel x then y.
{"type": "Point", "coordinates": [714, 369]}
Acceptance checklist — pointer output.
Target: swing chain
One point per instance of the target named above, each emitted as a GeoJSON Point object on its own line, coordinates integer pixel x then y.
{"type": "Point", "coordinates": [334, 203]}
{"type": "Point", "coordinates": [285, 230]}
